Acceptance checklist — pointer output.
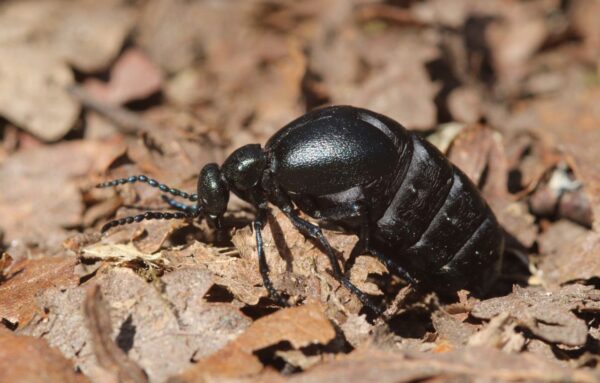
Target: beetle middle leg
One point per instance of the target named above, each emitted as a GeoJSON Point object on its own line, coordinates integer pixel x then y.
{"type": "Point", "coordinates": [316, 233]}
{"type": "Point", "coordinates": [281, 200]}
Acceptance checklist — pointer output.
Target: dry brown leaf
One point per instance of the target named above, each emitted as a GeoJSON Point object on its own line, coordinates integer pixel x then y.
{"type": "Point", "coordinates": [450, 328]}
{"type": "Point", "coordinates": [357, 330]}
{"type": "Point", "coordinates": [300, 326]}
{"type": "Point", "coordinates": [478, 149]}
{"type": "Point", "coordinates": [110, 357]}
{"type": "Point", "coordinates": [403, 92]}
{"type": "Point", "coordinates": [570, 121]}
{"type": "Point", "coordinates": [582, 17]}
{"type": "Point", "coordinates": [464, 104]}
{"type": "Point", "coordinates": [29, 278]}
{"type": "Point", "coordinates": [573, 260]}
{"type": "Point", "coordinates": [172, 45]}
{"type": "Point", "coordinates": [37, 43]}
{"type": "Point", "coordinates": [570, 252]}
{"type": "Point", "coordinates": [162, 330]}
{"type": "Point", "coordinates": [297, 266]}
{"type": "Point", "coordinates": [87, 34]}
{"type": "Point", "coordinates": [499, 333]}
{"type": "Point", "coordinates": [513, 41]}
{"type": "Point", "coordinates": [39, 186]}
{"type": "Point", "coordinates": [468, 364]}
{"type": "Point", "coordinates": [132, 77]}
{"type": "Point", "coordinates": [26, 359]}
{"type": "Point", "coordinates": [124, 255]}
{"type": "Point", "coordinates": [548, 315]}
{"type": "Point", "coordinates": [5, 261]}
{"type": "Point", "coordinates": [33, 91]}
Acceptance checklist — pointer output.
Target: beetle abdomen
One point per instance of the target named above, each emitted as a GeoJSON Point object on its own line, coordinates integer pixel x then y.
{"type": "Point", "coordinates": [437, 222]}
{"type": "Point", "coordinates": [419, 196]}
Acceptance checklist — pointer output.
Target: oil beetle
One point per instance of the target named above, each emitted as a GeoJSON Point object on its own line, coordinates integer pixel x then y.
{"type": "Point", "coordinates": [412, 209]}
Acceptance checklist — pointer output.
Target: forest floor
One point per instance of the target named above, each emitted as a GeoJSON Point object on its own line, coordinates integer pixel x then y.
{"type": "Point", "coordinates": [92, 91]}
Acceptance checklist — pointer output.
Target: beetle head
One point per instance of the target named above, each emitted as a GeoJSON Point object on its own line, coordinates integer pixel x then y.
{"type": "Point", "coordinates": [213, 192]}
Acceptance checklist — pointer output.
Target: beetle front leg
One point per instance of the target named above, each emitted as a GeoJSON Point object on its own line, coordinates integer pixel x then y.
{"type": "Point", "coordinates": [263, 267]}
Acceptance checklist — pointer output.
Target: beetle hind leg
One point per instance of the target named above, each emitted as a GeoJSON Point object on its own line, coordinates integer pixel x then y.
{"type": "Point", "coordinates": [364, 247]}
{"type": "Point", "coordinates": [391, 265]}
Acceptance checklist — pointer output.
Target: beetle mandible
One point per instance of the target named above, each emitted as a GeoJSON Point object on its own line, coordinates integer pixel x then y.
{"type": "Point", "coordinates": [412, 209]}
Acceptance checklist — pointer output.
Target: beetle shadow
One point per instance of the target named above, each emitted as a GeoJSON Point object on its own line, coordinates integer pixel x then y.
{"type": "Point", "coordinates": [514, 269]}
{"type": "Point", "coordinates": [279, 239]}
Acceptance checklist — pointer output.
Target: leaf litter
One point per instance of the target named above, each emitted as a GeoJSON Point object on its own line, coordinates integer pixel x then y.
{"type": "Point", "coordinates": [508, 91]}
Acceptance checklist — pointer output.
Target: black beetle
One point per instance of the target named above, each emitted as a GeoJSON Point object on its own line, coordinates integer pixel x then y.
{"type": "Point", "coordinates": [412, 209]}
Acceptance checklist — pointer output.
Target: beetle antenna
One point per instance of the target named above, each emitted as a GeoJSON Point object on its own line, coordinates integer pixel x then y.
{"type": "Point", "coordinates": [178, 205]}
{"type": "Point", "coordinates": [151, 215]}
{"type": "Point", "coordinates": [152, 182]}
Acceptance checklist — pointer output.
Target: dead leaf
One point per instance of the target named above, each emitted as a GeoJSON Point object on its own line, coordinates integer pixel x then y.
{"type": "Point", "coordinates": [479, 149]}
{"type": "Point", "coordinates": [161, 330]}
{"type": "Point", "coordinates": [133, 77]}
{"type": "Point", "coordinates": [26, 359]}
{"type": "Point", "coordinates": [581, 15]}
{"type": "Point", "coordinates": [5, 262]}
{"type": "Point", "coordinates": [357, 330]}
{"type": "Point", "coordinates": [87, 34]}
{"type": "Point", "coordinates": [296, 266]}
{"type": "Point", "coordinates": [90, 34]}
{"type": "Point", "coordinates": [40, 185]}
{"type": "Point", "coordinates": [513, 41]}
{"type": "Point", "coordinates": [578, 259]}
{"type": "Point", "coordinates": [124, 255]}
{"type": "Point", "coordinates": [450, 328]}
{"type": "Point", "coordinates": [109, 355]}
{"type": "Point", "coordinates": [29, 278]}
{"type": "Point", "coordinates": [499, 333]}
{"type": "Point", "coordinates": [403, 92]}
{"type": "Point", "coordinates": [469, 364]}
{"type": "Point", "coordinates": [548, 315]}
{"type": "Point", "coordinates": [464, 104]}
{"type": "Point", "coordinates": [300, 326]}
{"type": "Point", "coordinates": [33, 91]}
{"type": "Point", "coordinates": [569, 120]}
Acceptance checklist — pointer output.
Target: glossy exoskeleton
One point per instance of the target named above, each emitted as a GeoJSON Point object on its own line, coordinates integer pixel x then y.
{"type": "Point", "coordinates": [412, 209]}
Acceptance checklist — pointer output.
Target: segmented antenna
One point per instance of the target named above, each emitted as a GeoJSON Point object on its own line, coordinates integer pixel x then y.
{"type": "Point", "coordinates": [152, 182]}
{"type": "Point", "coordinates": [150, 215]}
{"type": "Point", "coordinates": [178, 205]}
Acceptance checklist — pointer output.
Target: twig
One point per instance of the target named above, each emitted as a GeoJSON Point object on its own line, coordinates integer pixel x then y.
{"type": "Point", "coordinates": [108, 354]}
{"type": "Point", "coordinates": [126, 121]}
